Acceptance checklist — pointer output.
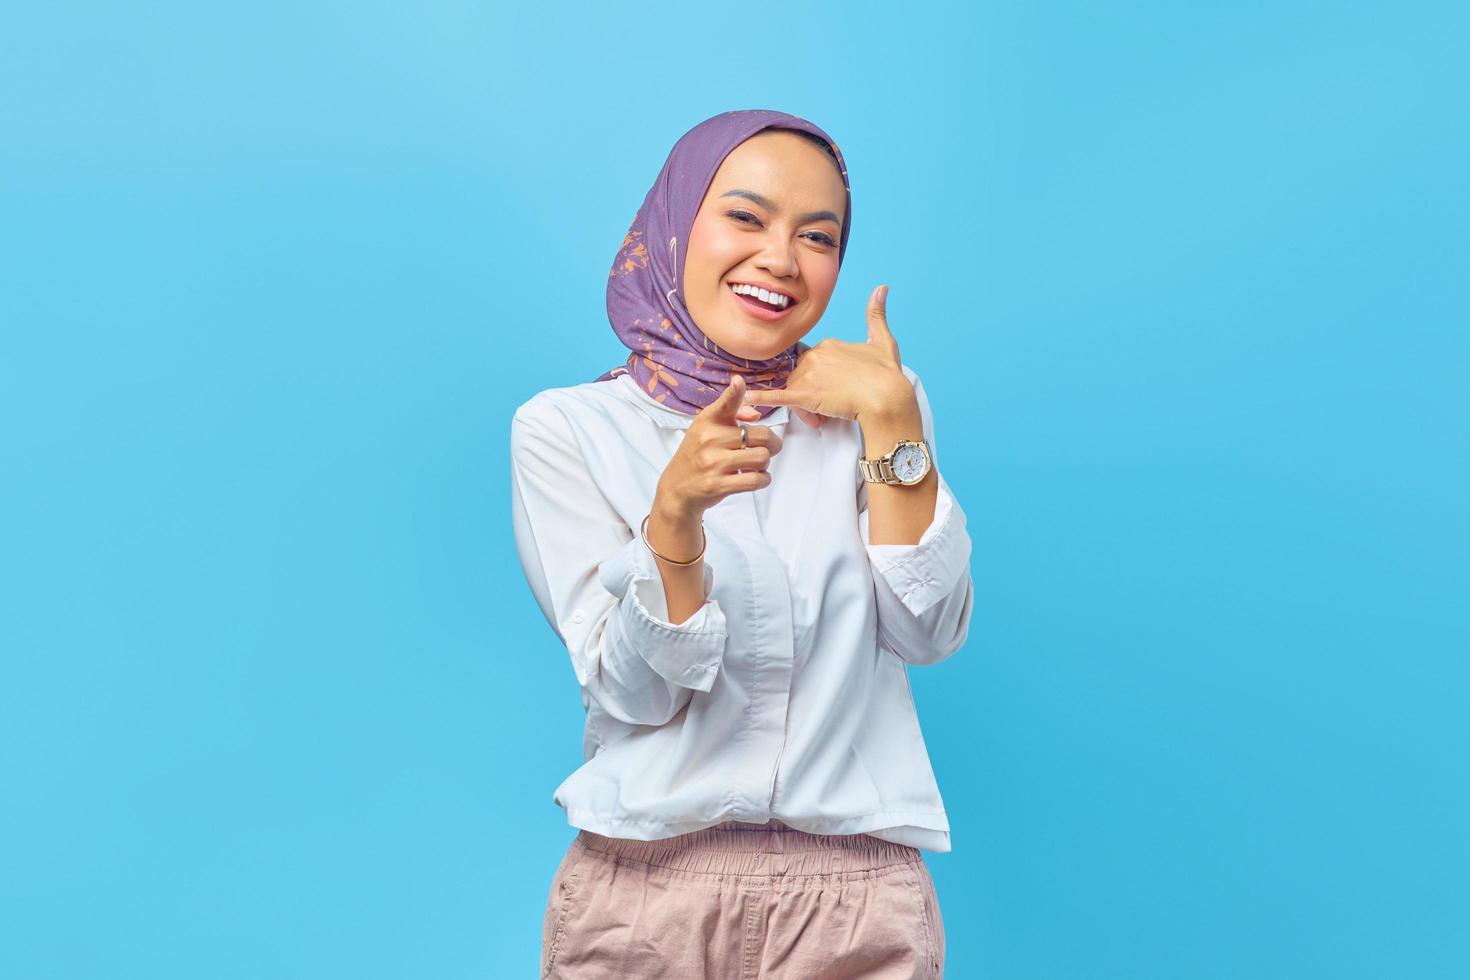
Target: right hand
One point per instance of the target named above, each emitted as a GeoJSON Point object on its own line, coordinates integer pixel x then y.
{"type": "Point", "coordinates": [702, 471]}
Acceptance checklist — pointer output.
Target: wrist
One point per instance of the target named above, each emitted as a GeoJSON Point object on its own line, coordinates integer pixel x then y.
{"type": "Point", "coordinates": [676, 518]}
{"type": "Point", "coordinates": [681, 548]}
{"type": "Point", "coordinates": [884, 431]}
{"type": "Point", "coordinates": [891, 405]}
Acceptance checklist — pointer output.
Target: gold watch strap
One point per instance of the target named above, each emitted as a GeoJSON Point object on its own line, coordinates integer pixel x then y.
{"type": "Point", "coordinates": [879, 470]}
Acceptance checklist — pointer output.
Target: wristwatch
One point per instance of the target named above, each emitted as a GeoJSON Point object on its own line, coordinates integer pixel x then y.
{"type": "Point", "coordinates": [907, 464]}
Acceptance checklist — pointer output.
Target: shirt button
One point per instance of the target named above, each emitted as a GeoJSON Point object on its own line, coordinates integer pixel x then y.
{"type": "Point", "coordinates": [578, 616]}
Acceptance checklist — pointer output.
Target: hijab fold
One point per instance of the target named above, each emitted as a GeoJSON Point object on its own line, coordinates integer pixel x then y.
{"type": "Point", "coordinates": [672, 359]}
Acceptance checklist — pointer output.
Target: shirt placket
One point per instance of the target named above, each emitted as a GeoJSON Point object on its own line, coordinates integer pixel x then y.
{"type": "Point", "coordinates": [772, 655]}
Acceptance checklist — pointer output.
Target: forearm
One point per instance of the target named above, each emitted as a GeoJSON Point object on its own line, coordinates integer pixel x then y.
{"type": "Point", "coordinates": [679, 536]}
{"type": "Point", "coordinates": [897, 514]}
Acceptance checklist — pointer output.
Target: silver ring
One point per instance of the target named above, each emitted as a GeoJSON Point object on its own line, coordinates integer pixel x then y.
{"type": "Point", "coordinates": [743, 431]}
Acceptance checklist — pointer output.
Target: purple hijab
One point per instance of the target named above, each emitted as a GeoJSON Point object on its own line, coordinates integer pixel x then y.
{"type": "Point", "coordinates": [672, 358]}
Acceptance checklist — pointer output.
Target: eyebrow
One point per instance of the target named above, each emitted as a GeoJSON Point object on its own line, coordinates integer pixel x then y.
{"type": "Point", "coordinates": [766, 203]}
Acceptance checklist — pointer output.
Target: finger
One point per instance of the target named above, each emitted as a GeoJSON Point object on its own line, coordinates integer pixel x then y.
{"type": "Point", "coordinates": [726, 406]}
{"type": "Point", "coordinates": [810, 418]}
{"type": "Point", "coordinates": [878, 332]}
{"type": "Point", "coordinates": [773, 396]}
{"type": "Point", "coordinates": [742, 482]}
{"type": "Point", "coordinates": [756, 435]}
{"type": "Point", "coordinates": [754, 458]}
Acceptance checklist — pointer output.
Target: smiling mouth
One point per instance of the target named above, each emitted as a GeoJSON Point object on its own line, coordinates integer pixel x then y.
{"type": "Point", "coordinates": [762, 311]}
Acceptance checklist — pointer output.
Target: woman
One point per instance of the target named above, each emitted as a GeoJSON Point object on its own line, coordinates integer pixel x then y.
{"type": "Point", "coordinates": [739, 595]}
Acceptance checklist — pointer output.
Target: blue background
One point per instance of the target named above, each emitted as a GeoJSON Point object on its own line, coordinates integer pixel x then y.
{"type": "Point", "coordinates": [1187, 287]}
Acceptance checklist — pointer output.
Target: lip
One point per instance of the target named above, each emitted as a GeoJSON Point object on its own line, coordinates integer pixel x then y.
{"type": "Point", "coordinates": [758, 311]}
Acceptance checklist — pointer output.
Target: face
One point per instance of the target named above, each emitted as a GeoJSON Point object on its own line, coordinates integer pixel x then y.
{"type": "Point", "coordinates": [771, 217]}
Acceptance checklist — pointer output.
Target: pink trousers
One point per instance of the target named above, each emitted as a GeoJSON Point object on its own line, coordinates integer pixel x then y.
{"type": "Point", "coordinates": [741, 901]}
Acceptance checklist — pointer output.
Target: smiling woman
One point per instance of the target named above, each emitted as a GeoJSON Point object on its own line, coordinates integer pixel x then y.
{"type": "Point", "coordinates": [772, 219]}
{"type": "Point", "coordinates": [740, 179]}
{"type": "Point", "coordinates": [755, 789]}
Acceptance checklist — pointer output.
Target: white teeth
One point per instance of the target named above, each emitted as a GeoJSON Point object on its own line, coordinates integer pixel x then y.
{"type": "Point", "coordinates": [776, 299]}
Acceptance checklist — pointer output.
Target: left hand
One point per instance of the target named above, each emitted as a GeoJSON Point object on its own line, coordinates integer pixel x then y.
{"type": "Point", "coordinates": [843, 379]}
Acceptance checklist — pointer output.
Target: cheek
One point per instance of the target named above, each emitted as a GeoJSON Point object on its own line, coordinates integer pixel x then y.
{"type": "Point", "coordinates": [821, 277]}
{"type": "Point", "coordinates": [710, 251]}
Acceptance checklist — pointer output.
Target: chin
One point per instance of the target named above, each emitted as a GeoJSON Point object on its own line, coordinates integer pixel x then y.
{"type": "Point", "coordinates": [740, 335]}
{"type": "Point", "coordinates": [755, 344]}
{"type": "Point", "coordinates": [756, 353]}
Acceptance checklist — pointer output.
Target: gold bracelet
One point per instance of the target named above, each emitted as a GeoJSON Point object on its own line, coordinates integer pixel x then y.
{"type": "Point", "coordinates": [643, 532]}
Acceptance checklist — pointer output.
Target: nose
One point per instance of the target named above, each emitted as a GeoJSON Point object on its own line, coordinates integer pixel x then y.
{"type": "Point", "coordinates": [778, 258]}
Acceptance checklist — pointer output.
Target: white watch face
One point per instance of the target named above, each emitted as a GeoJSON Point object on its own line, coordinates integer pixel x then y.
{"type": "Point", "coordinates": [908, 463]}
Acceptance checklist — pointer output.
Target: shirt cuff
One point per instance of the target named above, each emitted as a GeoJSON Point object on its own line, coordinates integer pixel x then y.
{"type": "Point", "coordinates": [687, 653]}
{"type": "Point", "coordinates": [923, 573]}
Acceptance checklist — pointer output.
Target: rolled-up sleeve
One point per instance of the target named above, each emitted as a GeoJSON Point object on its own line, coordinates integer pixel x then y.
{"type": "Point", "coordinates": [597, 584]}
{"type": "Point", "coordinates": [686, 654]}
{"type": "Point", "coordinates": [924, 591]}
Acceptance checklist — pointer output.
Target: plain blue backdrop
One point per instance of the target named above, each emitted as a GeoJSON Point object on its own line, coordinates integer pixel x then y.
{"type": "Point", "coordinates": [1187, 287]}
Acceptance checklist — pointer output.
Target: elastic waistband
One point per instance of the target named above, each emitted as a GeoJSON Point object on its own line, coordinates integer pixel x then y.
{"type": "Point", "coordinates": [766, 849]}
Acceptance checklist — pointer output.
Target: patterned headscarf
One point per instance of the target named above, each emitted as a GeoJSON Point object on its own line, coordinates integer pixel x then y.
{"type": "Point", "coordinates": [672, 358]}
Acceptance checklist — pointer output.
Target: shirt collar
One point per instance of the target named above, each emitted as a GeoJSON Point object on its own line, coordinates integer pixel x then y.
{"type": "Point", "coordinates": [672, 418]}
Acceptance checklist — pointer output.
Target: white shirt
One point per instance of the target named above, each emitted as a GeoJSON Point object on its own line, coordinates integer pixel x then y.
{"type": "Point", "coordinates": [786, 694]}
